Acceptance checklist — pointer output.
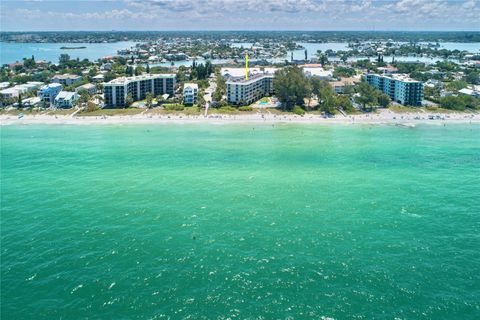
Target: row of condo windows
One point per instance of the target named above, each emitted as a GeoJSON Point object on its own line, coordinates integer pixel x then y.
{"type": "Point", "coordinates": [250, 92]}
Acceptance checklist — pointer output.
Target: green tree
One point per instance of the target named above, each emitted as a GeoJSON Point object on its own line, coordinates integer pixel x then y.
{"type": "Point", "coordinates": [149, 99]}
{"type": "Point", "coordinates": [99, 87]}
{"type": "Point", "coordinates": [109, 76]}
{"type": "Point", "coordinates": [367, 95]}
{"type": "Point", "coordinates": [221, 88]}
{"type": "Point", "coordinates": [472, 77]}
{"type": "Point", "coordinates": [343, 102]}
{"type": "Point", "coordinates": [201, 98]}
{"type": "Point", "coordinates": [349, 90]}
{"type": "Point", "coordinates": [128, 100]}
{"type": "Point", "coordinates": [29, 63]}
{"type": "Point", "coordinates": [383, 100]}
{"type": "Point", "coordinates": [340, 71]}
{"type": "Point", "coordinates": [84, 97]}
{"type": "Point", "coordinates": [182, 74]}
{"type": "Point", "coordinates": [91, 106]}
{"type": "Point", "coordinates": [139, 70]}
{"type": "Point", "coordinates": [460, 102]}
{"type": "Point", "coordinates": [291, 87]}
{"type": "Point", "coordinates": [322, 57]}
{"type": "Point", "coordinates": [327, 104]}
{"type": "Point", "coordinates": [64, 59]}
{"type": "Point", "coordinates": [456, 85]}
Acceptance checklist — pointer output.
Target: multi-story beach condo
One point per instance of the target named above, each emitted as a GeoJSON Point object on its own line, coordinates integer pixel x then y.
{"type": "Point", "coordinates": [245, 91]}
{"type": "Point", "coordinates": [190, 93]}
{"type": "Point", "coordinates": [399, 87]}
{"type": "Point", "coordinates": [48, 93]}
{"type": "Point", "coordinates": [117, 90]}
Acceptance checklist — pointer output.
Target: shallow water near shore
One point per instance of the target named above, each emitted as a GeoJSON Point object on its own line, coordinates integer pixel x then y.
{"type": "Point", "coordinates": [240, 221]}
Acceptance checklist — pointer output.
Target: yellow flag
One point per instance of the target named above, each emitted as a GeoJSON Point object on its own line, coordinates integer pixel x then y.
{"type": "Point", "coordinates": [246, 66]}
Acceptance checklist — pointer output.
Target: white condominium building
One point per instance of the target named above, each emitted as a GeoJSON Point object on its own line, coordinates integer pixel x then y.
{"type": "Point", "coordinates": [241, 91]}
{"type": "Point", "coordinates": [117, 90]}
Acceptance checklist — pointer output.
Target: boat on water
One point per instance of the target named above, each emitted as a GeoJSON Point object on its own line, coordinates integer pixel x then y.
{"type": "Point", "coordinates": [72, 48]}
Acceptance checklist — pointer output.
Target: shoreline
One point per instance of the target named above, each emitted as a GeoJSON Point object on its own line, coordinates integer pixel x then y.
{"type": "Point", "coordinates": [384, 117]}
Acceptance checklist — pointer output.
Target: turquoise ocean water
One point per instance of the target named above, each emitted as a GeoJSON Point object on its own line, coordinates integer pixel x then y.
{"type": "Point", "coordinates": [240, 221]}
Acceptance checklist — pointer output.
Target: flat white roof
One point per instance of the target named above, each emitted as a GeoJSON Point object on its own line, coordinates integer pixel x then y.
{"type": "Point", "coordinates": [190, 85]}
{"type": "Point", "coordinates": [9, 90]}
{"type": "Point", "coordinates": [65, 76]}
{"type": "Point", "coordinates": [466, 91]}
{"type": "Point", "coordinates": [51, 85]}
{"type": "Point", "coordinates": [319, 72]}
{"type": "Point", "coordinates": [240, 72]}
{"type": "Point", "coordinates": [251, 79]}
{"type": "Point", "coordinates": [399, 77]}
{"type": "Point", "coordinates": [125, 80]}
{"type": "Point", "coordinates": [86, 86]}
{"type": "Point", "coordinates": [66, 95]}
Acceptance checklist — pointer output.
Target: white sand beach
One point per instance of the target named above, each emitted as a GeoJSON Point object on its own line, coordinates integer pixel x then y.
{"type": "Point", "coordinates": [381, 117]}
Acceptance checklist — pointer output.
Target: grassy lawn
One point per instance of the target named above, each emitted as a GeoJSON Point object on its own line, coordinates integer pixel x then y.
{"type": "Point", "coordinates": [194, 110]}
{"type": "Point", "coordinates": [403, 109]}
{"type": "Point", "coordinates": [441, 110]}
{"type": "Point", "coordinates": [16, 112]}
{"type": "Point", "coordinates": [224, 110]}
{"type": "Point", "coordinates": [112, 112]}
{"type": "Point", "coordinates": [60, 112]}
{"type": "Point", "coordinates": [191, 111]}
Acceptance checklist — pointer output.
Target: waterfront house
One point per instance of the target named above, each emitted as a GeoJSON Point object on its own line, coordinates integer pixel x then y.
{"type": "Point", "coordinates": [20, 89]}
{"type": "Point", "coordinates": [89, 87]}
{"type": "Point", "coordinates": [339, 86]}
{"type": "Point", "coordinates": [106, 66]}
{"type": "Point", "coordinates": [31, 102]}
{"type": "Point", "coordinates": [9, 93]}
{"type": "Point", "coordinates": [66, 79]}
{"type": "Point", "coordinates": [318, 72]}
{"type": "Point", "coordinates": [98, 78]}
{"type": "Point", "coordinates": [190, 93]}
{"type": "Point", "coordinates": [65, 99]}
{"type": "Point", "coordinates": [48, 93]}
{"type": "Point", "coordinates": [433, 83]}
{"type": "Point", "coordinates": [473, 91]}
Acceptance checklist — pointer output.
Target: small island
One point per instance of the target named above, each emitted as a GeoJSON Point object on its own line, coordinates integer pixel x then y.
{"type": "Point", "coordinates": [72, 48]}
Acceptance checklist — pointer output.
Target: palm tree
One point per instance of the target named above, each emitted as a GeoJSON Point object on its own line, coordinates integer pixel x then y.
{"type": "Point", "coordinates": [149, 98]}
{"type": "Point", "coordinates": [322, 57]}
{"type": "Point", "coordinates": [100, 100]}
